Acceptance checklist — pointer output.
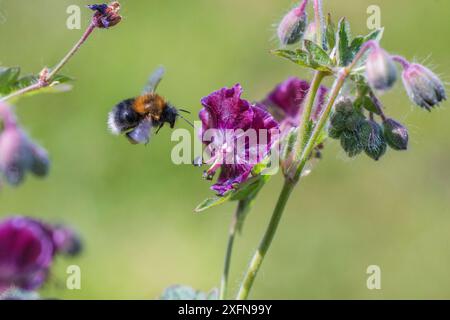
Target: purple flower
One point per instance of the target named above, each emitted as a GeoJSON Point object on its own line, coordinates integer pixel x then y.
{"type": "Point", "coordinates": [424, 88]}
{"type": "Point", "coordinates": [286, 101]}
{"type": "Point", "coordinates": [26, 253]}
{"type": "Point", "coordinates": [27, 249]}
{"type": "Point", "coordinates": [18, 154]}
{"type": "Point", "coordinates": [106, 16]}
{"type": "Point", "coordinates": [237, 134]}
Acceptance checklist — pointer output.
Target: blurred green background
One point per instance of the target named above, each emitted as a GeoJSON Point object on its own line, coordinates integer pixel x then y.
{"type": "Point", "coordinates": [134, 208]}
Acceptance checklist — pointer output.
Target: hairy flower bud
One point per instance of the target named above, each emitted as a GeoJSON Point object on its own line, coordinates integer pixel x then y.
{"type": "Point", "coordinates": [351, 144]}
{"type": "Point", "coordinates": [424, 88]}
{"type": "Point", "coordinates": [380, 69]}
{"type": "Point", "coordinates": [105, 15]}
{"type": "Point", "coordinates": [396, 134]}
{"type": "Point", "coordinates": [372, 139]}
{"type": "Point", "coordinates": [344, 106]}
{"type": "Point", "coordinates": [293, 25]}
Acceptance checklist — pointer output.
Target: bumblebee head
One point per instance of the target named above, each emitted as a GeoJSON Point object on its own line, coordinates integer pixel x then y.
{"type": "Point", "coordinates": [123, 117]}
{"type": "Point", "coordinates": [170, 115]}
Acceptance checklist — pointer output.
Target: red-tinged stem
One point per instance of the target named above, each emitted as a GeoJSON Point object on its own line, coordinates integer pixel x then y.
{"type": "Point", "coordinates": [46, 77]}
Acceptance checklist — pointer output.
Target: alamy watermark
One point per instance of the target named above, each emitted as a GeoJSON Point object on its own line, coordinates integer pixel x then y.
{"type": "Point", "coordinates": [374, 279]}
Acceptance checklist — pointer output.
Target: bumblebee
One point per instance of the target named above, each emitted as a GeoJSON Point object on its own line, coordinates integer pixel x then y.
{"type": "Point", "coordinates": [136, 117]}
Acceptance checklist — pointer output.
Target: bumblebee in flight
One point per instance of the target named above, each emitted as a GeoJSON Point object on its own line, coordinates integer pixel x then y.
{"type": "Point", "coordinates": [136, 117]}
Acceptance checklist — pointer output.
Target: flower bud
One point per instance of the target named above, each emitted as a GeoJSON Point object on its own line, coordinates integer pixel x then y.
{"type": "Point", "coordinates": [372, 139]}
{"type": "Point", "coordinates": [105, 15]}
{"type": "Point", "coordinates": [15, 157]}
{"type": "Point", "coordinates": [424, 88]}
{"type": "Point", "coordinates": [350, 143]}
{"type": "Point", "coordinates": [338, 121]}
{"type": "Point", "coordinates": [40, 164]}
{"type": "Point", "coordinates": [380, 69]}
{"type": "Point", "coordinates": [354, 120]}
{"type": "Point", "coordinates": [293, 25]}
{"type": "Point", "coordinates": [66, 241]}
{"type": "Point", "coordinates": [333, 132]}
{"type": "Point", "coordinates": [344, 106]}
{"type": "Point", "coordinates": [396, 134]}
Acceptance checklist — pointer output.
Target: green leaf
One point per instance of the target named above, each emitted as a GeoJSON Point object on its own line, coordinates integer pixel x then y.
{"type": "Point", "coordinates": [343, 40]}
{"type": "Point", "coordinates": [317, 54]}
{"type": "Point", "coordinates": [375, 35]}
{"type": "Point", "coordinates": [180, 292]}
{"type": "Point", "coordinates": [367, 103]}
{"type": "Point", "coordinates": [8, 76]}
{"type": "Point", "coordinates": [302, 58]}
{"type": "Point", "coordinates": [298, 56]}
{"type": "Point", "coordinates": [330, 33]}
{"type": "Point", "coordinates": [212, 202]}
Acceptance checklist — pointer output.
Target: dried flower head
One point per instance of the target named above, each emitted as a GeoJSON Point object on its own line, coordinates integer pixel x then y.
{"type": "Point", "coordinates": [105, 15]}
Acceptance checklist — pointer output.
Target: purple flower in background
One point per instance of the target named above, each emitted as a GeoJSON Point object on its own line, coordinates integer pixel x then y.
{"type": "Point", "coordinates": [26, 253]}
{"type": "Point", "coordinates": [18, 154]}
{"type": "Point", "coordinates": [106, 16]}
{"type": "Point", "coordinates": [227, 122]}
{"type": "Point", "coordinates": [286, 101]}
{"type": "Point", "coordinates": [27, 249]}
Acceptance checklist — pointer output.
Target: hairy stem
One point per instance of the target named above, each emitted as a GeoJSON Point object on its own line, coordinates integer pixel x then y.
{"type": "Point", "coordinates": [45, 79]}
{"type": "Point", "coordinates": [289, 184]}
{"type": "Point", "coordinates": [226, 267]}
{"type": "Point", "coordinates": [307, 109]}
{"type": "Point", "coordinates": [318, 17]}
{"type": "Point", "coordinates": [264, 245]}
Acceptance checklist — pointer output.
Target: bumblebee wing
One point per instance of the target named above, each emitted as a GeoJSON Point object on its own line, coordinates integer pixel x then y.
{"type": "Point", "coordinates": [154, 80]}
{"type": "Point", "coordinates": [141, 134]}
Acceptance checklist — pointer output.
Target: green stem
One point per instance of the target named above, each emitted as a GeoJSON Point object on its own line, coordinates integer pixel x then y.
{"type": "Point", "coordinates": [319, 126]}
{"type": "Point", "coordinates": [318, 17]}
{"type": "Point", "coordinates": [308, 107]}
{"type": "Point", "coordinates": [226, 268]}
{"type": "Point", "coordinates": [45, 80]}
{"type": "Point", "coordinates": [264, 246]}
{"type": "Point", "coordinates": [289, 183]}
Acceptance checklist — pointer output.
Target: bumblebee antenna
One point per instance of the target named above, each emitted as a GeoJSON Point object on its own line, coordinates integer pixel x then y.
{"type": "Point", "coordinates": [185, 111]}
{"type": "Point", "coordinates": [187, 121]}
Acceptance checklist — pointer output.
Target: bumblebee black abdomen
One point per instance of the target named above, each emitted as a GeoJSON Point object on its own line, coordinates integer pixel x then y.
{"type": "Point", "coordinates": [123, 117]}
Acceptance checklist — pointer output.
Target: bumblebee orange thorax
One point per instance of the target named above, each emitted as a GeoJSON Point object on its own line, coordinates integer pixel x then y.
{"type": "Point", "coordinates": [152, 104]}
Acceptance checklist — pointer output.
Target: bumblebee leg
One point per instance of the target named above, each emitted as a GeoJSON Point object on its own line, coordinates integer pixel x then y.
{"type": "Point", "coordinates": [159, 128]}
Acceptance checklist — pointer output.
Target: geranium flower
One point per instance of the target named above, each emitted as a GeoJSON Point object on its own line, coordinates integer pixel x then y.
{"type": "Point", "coordinates": [286, 101]}
{"type": "Point", "coordinates": [27, 250]}
{"type": "Point", "coordinates": [238, 135]}
{"type": "Point", "coordinates": [26, 253]}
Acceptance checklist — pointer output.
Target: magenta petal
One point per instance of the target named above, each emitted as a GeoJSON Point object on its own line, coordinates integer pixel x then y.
{"type": "Point", "coordinates": [26, 253]}
{"type": "Point", "coordinates": [224, 110]}
{"type": "Point", "coordinates": [286, 101]}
